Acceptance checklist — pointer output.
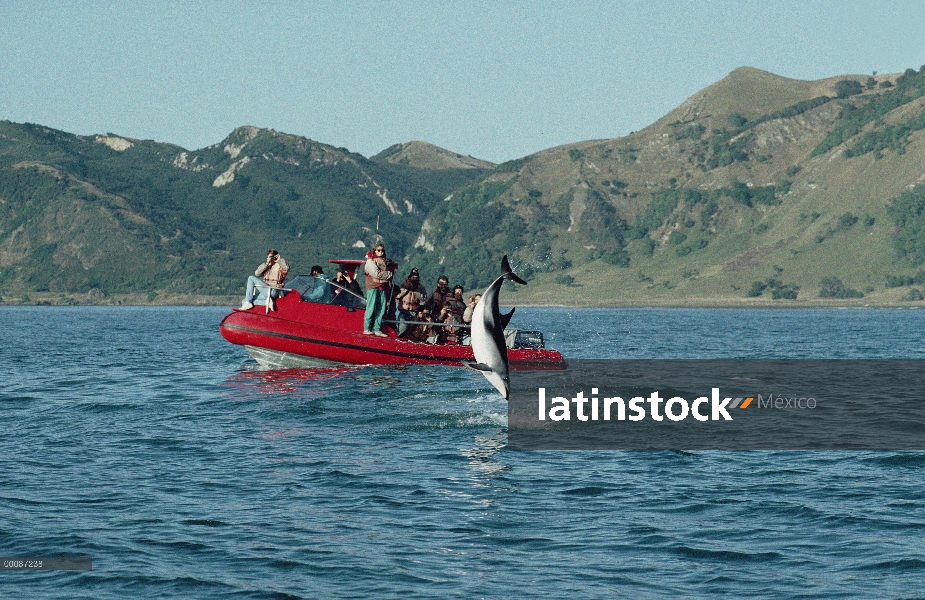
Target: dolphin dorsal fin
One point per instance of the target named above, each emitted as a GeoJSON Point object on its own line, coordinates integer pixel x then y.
{"type": "Point", "coordinates": [505, 319]}
{"type": "Point", "coordinates": [509, 272]}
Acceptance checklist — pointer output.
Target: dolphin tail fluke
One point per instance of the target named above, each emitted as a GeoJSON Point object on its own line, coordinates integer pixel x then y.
{"type": "Point", "coordinates": [509, 272]}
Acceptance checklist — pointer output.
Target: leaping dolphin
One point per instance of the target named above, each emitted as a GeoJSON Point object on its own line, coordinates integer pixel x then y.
{"type": "Point", "coordinates": [488, 325]}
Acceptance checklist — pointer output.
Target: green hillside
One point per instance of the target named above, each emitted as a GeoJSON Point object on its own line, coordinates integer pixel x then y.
{"type": "Point", "coordinates": [756, 190]}
{"type": "Point", "coordinates": [434, 169]}
{"type": "Point", "coordinates": [120, 216]}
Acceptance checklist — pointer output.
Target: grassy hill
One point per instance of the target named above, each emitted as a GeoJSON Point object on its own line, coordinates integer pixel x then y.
{"type": "Point", "coordinates": [756, 190]}
{"type": "Point", "coordinates": [117, 215]}
{"type": "Point", "coordinates": [435, 169]}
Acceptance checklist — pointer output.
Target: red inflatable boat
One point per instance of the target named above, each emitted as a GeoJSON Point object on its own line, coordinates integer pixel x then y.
{"type": "Point", "coordinates": [302, 333]}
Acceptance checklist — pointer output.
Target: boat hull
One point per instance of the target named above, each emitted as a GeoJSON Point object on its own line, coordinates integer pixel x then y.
{"type": "Point", "coordinates": [274, 359]}
{"type": "Point", "coordinates": [302, 333]}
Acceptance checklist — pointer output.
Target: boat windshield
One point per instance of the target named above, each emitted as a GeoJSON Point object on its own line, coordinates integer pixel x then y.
{"type": "Point", "coordinates": [322, 291]}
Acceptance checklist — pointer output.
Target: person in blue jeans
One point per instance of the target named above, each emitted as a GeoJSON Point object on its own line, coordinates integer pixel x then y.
{"type": "Point", "coordinates": [269, 275]}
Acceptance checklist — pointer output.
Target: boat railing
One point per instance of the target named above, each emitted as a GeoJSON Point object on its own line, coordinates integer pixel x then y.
{"type": "Point", "coordinates": [351, 292]}
{"type": "Point", "coordinates": [432, 323]}
{"type": "Point", "coordinates": [513, 338]}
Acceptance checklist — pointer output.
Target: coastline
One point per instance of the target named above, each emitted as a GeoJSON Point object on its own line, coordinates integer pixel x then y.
{"type": "Point", "coordinates": [99, 299]}
{"type": "Point", "coordinates": [720, 302]}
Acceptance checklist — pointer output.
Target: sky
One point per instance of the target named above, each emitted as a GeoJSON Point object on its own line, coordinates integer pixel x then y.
{"type": "Point", "coordinates": [494, 80]}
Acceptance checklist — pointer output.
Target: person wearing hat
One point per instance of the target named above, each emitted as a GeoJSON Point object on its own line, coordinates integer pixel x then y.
{"type": "Point", "coordinates": [410, 298]}
{"type": "Point", "coordinates": [345, 283]}
{"type": "Point", "coordinates": [268, 278]}
{"type": "Point", "coordinates": [322, 291]}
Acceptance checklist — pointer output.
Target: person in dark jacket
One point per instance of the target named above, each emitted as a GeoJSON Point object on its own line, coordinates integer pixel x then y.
{"type": "Point", "coordinates": [448, 335]}
{"type": "Point", "coordinates": [348, 282]}
{"type": "Point", "coordinates": [423, 332]}
{"type": "Point", "coordinates": [410, 298]}
{"type": "Point", "coordinates": [439, 296]}
{"type": "Point", "coordinates": [457, 304]}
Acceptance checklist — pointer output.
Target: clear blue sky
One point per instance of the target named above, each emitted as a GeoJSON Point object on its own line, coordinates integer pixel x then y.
{"type": "Point", "coordinates": [497, 80]}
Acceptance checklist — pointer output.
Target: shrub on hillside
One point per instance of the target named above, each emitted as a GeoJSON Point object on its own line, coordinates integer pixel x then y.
{"type": "Point", "coordinates": [617, 256]}
{"type": "Point", "coordinates": [736, 120]}
{"type": "Point", "coordinates": [765, 195]}
{"type": "Point", "coordinates": [894, 281]}
{"type": "Point", "coordinates": [648, 246]}
{"type": "Point", "coordinates": [908, 215]}
{"type": "Point", "coordinates": [846, 221]}
{"type": "Point", "coordinates": [785, 292]}
{"type": "Point", "coordinates": [677, 238]}
{"type": "Point", "coordinates": [848, 87]}
{"type": "Point", "coordinates": [832, 287]}
{"type": "Point", "coordinates": [779, 290]}
{"type": "Point", "coordinates": [758, 288]}
{"type": "Point", "coordinates": [694, 132]}
{"type": "Point", "coordinates": [793, 110]}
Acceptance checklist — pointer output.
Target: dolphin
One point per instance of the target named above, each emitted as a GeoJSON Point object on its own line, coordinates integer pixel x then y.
{"type": "Point", "coordinates": [487, 334]}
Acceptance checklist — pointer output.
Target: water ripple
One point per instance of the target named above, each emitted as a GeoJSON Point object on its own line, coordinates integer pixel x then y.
{"type": "Point", "coordinates": [138, 437]}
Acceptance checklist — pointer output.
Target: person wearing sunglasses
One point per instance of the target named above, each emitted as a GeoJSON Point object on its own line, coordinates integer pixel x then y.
{"type": "Point", "coordinates": [378, 280]}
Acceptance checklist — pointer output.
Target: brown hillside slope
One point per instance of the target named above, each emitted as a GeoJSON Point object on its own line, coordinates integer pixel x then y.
{"type": "Point", "coordinates": [422, 155]}
{"type": "Point", "coordinates": [818, 214]}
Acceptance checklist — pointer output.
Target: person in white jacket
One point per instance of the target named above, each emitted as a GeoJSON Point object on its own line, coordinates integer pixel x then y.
{"type": "Point", "coordinates": [268, 276]}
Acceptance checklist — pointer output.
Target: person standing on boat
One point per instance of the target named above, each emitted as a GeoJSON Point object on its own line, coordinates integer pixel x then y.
{"type": "Point", "coordinates": [378, 280]}
{"type": "Point", "coordinates": [410, 299]}
{"type": "Point", "coordinates": [268, 277]}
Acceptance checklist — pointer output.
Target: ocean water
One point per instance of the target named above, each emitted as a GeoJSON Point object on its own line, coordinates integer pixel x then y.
{"type": "Point", "coordinates": [139, 437]}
